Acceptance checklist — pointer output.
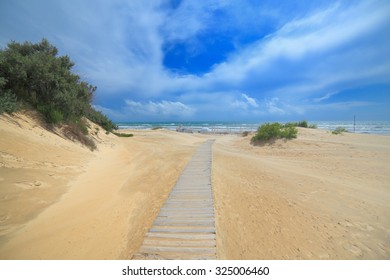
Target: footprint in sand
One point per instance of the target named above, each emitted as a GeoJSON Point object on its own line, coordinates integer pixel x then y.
{"type": "Point", "coordinates": [356, 251]}
{"type": "Point", "coordinates": [31, 185]}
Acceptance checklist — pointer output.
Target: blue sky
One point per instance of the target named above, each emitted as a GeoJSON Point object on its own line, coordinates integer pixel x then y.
{"type": "Point", "coordinates": [219, 60]}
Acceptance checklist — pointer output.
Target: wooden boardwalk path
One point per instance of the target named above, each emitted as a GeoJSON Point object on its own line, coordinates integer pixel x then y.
{"type": "Point", "coordinates": [185, 228]}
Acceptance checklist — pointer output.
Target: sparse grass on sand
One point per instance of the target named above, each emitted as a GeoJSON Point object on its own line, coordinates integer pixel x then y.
{"type": "Point", "coordinates": [272, 131]}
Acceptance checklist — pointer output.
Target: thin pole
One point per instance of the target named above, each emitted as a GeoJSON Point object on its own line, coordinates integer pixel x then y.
{"type": "Point", "coordinates": [354, 123]}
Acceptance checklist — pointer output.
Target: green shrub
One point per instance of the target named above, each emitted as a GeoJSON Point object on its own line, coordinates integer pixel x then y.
{"type": "Point", "coordinates": [54, 116]}
{"type": "Point", "coordinates": [271, 131]}
{"type": "Point", "coordinates": [36, 76]}
{"type": "Point", "coordinates": [99, 118]}
{"type": "Point", "coordinates": [298, 124]}
{"type": "Point", "coordinates": [76, 131]}
{"type": "Point", "coordinates": [245, 133]}
{"type": "Point", "coordinates": [288, 132]}
{"type": "Point", "coordinates": [51, 114]}
{"type": "Point", "coordinates": [123, 134]}
{"type": "Point", "coordinates": [8, 102]}
{"type": "Point", "coordinates": [304, 124]}
{"type": "Point", "coordinates": [157, 127]}
{"type": "Point", "coordinates": [339, 130]}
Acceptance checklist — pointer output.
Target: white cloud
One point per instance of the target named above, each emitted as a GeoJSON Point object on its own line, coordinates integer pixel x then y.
{"type": "Point", "coordinates": [190, 18]}
{"type": "Point", "coordinates": [274, 107]}
{"type": "Point", "coordinates": [137, 111]}
{"type": "Point", "coordinates": [339, 106]}
{"type": "Point", "coordinates": [325, 97]}
{"type": "Point", "coordinates": [325, 48]}
{"type": "Point", "coordinates": [163, 108]}
{"type": "Point", "coordinates": [245, 102]}
{"type": "Point", "coordinates": [251, 101]}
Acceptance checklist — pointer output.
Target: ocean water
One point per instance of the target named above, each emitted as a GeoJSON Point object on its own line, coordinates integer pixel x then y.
{"type": "Point", "coordinates": [366, 127]}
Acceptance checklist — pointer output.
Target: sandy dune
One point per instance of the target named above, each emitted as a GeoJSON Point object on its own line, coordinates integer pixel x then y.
{"type": "Point", "coordinates": [320, 196]}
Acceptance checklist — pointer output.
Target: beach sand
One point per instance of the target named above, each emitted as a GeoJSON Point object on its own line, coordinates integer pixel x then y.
{"type": "Point", "coordinates": [320, 196]}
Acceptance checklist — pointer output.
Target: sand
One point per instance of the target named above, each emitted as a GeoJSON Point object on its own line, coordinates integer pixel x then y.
{"type": "Point", "coordinates": [320, 196]}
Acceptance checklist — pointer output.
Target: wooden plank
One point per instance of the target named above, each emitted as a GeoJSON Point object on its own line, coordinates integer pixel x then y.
{"type": "Point", "coordinates": [186, 216]}
{"type": "Point", "coordinates": [183, 229]}
{"type": "Point", "coordinates": [184, 209]}
{"type": "Point", "coordinates": [160, 249]}
{"type": "Point", "coordinates": [187, 202]}
{"type": "Point", "coordinates": [180, 243]}
{"type": "Point", "coordinates": [173, 256]}
{"type": "Point", "coordinates": [181, 236]}
{"type": "Point", "coordinates": [184, 223]}
{"type": "Point", "coordinates": [192, 192]}
{"type": "Point", "coordinates": [174, 212]}
{"type": "Point", "coordinates": [205, 197]}
{"type": "Point", "coordinates": [192, 204]}
{"type": "Point", "coordinates": [186, 219]}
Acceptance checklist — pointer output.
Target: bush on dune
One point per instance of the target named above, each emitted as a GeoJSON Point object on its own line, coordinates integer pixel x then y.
{"type": "Point", "coordinates": [123, 134]}
{"type": "Point", "coordinates": [339, 130]}
{"type": "Point", "coordinates": [303, 124]}
{"type": "Point", "coordinates": [273, 131]}
{"type": "Point", "coordinates": [35, 75]}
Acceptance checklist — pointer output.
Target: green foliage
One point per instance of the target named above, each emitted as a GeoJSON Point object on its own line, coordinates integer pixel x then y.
{"type": "Point", "coordinates": [271, 131]}
{"type": "Point", "coordinates": [8, 100]}
{"type": "Point", "coordinates": [100, 119]}
{"type": "Point", "coordinates": [54, 116]}
{"type": "Point", "coordinates": [123, 134]}
{"type": "Point", "coordinates": [339, 130]}
{"type": "Point", "coordinates": [298, 124]}
{"type": "Point", "coordinates": [288, 132]}
{"type": "Point", "coordinates": [8, 103]}
{"type": "Point", "coordinates": [245, 133]}
{"type": "Point", "coordinates": [41, 78]}
{"type": "Point", "coordinates": [157, 127]}
{"type": "Point", "coordinates": [79, 131]}
{"type": "Point", "coordinates": [36, 75]}
{"type": "Point", "coordinates": [304, 124]}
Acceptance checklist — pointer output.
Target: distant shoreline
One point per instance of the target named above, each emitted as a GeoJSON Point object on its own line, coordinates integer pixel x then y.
{"type": "Point", "coordinates": [361, 127]}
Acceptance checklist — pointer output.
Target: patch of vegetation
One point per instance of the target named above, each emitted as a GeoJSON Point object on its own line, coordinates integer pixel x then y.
{"type": "Point", "coordinates": [8, 100]}
{"type": "Point", "coordinates": [99, 118]}
{"type": "Point", "coordinates": [298, 124]}
{"type": "Point", "coordinates": [245, 133]}
{"type": "Point", "coordinates": [339, 130]}
{"type": "Point", "coordinates": [78, 132]}
{"type": "Point", "coordinates": [304, 124]}
{"type": "Point", "coordinates": [273, 131]}
{"type": "Point", "coordinates": [123, 134]}
{"type": "Point", "coordinates": [34, 74]}
{"type": "Point", "coordinates": [157, 127]}
{"type": "Point", "coordinates": [8, 103]}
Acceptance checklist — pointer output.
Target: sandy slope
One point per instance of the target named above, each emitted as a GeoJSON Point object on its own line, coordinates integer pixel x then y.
{"type": "Point", "coordinates": [320, 196]}
{"type": "Point", "coordinates": [98, 206]}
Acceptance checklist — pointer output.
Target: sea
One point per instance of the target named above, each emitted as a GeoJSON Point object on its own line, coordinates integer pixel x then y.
{"type": "Point", "coordinates": [365, 127]}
